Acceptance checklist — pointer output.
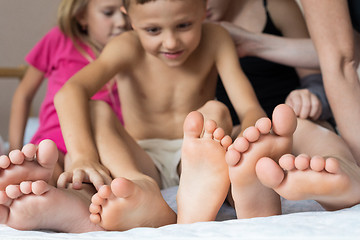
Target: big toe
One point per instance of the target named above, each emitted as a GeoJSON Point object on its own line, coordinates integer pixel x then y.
{"type": "Point", "coordinates": [284, 120]}
{"type": "Point", "coordinates": [122, 187]}
{"type": "Point", "coordinates": [47, 153]}
{"type": "Point", "coordinates": [269, 172]}
{"type": "Point", "coordinates": [193, 124]}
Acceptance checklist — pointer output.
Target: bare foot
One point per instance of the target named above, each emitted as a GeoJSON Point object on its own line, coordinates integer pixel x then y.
{"type": "Point", "coordinates": [332, 183]}
{"type": "Point", "coordinates": [30, 164]}
{"type": "Point", "coordinates": [251, 198]}
{"type": "Point", "coordinates": [204, 181]}
{"type": "Point", "coordinates": [128, 204]}
{"type": "Point", "coordinates": [38, 205]}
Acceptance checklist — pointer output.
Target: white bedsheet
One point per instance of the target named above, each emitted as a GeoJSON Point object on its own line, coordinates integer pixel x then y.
{"type": "Point", "coordinates": [300, 220]}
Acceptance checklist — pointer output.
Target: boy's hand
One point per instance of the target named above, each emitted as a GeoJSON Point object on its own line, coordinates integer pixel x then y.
{"type": "Point", "coordinates": [85, 172]}
{"type": "Point", "coordinates": [305, 104]}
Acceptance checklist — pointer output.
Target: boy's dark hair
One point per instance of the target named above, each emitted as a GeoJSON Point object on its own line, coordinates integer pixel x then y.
{"type": "Point", "coordinates": [127, 2]}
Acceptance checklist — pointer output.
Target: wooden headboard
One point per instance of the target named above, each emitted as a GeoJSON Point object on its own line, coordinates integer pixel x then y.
{"type": "Point", "coordinates": [13, 72]}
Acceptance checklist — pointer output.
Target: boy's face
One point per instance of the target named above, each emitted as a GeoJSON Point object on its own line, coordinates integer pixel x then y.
{"type": "Point", "coordinates": [216, 9]}
{"type": "Point", "coordinates": [169, 29]}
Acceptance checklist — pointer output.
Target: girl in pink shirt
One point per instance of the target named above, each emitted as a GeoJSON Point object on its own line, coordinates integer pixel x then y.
{"type": "Point", "coordinates": [84, 27]}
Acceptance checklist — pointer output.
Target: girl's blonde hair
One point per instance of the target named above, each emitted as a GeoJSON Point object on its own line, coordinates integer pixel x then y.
{"type": "Point", "coordinates": [68, 13]}
{"type": "Point", "coordinates": [67, 18]}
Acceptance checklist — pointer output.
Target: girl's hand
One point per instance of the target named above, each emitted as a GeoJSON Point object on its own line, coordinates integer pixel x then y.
{"type": "Point", "coordinates": [84, 172]}
{"type": "Point", "coordinates": [305, 104]}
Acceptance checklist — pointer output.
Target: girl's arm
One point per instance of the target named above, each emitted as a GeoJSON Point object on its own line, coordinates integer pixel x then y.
{"type": "Point", "coordinates": [21, 103]}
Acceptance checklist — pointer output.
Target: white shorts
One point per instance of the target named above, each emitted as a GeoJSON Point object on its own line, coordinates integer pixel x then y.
{"type": "Point", "coordinates": [166, 156]}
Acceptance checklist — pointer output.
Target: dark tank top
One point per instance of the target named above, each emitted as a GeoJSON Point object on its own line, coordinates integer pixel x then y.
{"type": "Point", "coordinates": [272, 82]}
{"type": "Point", "coordinates": [354, 8]}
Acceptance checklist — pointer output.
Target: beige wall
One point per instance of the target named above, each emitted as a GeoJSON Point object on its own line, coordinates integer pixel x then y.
{"type": "Point", "coordinates": [22, 24]}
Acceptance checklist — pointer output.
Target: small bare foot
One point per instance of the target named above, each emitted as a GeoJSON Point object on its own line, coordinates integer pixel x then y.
{"type": "Point", "coordinates": [250, 197]}
{"type": "Point", "coordinates": [333, 184]}
{"type": "Point", "coordinates": [128, 204]}
{"type": "Point", "coordinates": [204, 181]}
{"type": "Point", "coordinates": [30, 164]}
{"type": "Point", "coordinates": [38, 205]}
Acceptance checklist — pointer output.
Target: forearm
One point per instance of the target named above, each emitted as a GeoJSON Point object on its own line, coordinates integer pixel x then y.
{"type": "Point", "coordinates": [295, 52]}
{"type": "Point", "coordinates": [72, 106]}
{"type": "Point", "coordinates": [331, 30]}
{"type": "Point", "coordinates": [288, 51]}
{"type": "Point", "coordinates": [20, 109]}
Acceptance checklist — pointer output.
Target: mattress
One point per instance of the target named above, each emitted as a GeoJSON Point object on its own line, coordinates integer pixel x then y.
{"type": "Point", "coordinates": [300, 220]}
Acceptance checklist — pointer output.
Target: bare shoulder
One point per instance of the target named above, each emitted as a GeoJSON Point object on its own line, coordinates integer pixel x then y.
{"type": "Point", "coordinates": [288, 17]}
{"type": "Point", "coordinates": [215, 34]}
{"type": "Point", "coordinates": [122, 49]}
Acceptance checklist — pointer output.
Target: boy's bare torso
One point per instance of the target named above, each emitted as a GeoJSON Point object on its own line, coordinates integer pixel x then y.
{"type": "Point", "coordinates": [156, 98]}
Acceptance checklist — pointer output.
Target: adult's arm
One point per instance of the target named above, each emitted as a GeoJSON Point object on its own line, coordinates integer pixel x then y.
{"type": "Point", "coordinates": [294, 52]}
{"type": "Point", "coordinates": [332, 33]}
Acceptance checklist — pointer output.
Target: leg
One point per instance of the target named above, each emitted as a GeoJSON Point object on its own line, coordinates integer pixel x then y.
{"type": "Point", "coordinates": [204, 180]}
{"type": "Point", "coordinates": [134, 198]}
{"type": "Point", "coordinates": [31, 163]}
{"type": "Point", "coordinates": [218, 112]}
{"type": "Point", "coordinates": [33, 205]}
{"type": "Point", "coordinates": [251, 198]}
{"type": "Point", "coordinates": [323, 169]}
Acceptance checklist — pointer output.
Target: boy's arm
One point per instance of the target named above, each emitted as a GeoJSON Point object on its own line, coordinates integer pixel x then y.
{"type": "Point", "coordinates": [72, 105]}
{"type": "Point", "coordinates": [20, 107]}
{"type": "Point", "coordinates": [237, 85]}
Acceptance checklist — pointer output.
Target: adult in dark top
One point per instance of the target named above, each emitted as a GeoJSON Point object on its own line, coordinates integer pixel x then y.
{"type": "Point", "coordinates": [272, 82]}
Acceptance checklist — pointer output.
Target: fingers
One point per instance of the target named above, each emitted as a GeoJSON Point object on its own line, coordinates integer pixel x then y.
{"type": "Point", "coordinates": [305, 104]}
{"type": "Point", "coordinates": [80, 176]}
{"type": "Point", "coordinates": [64, 179]}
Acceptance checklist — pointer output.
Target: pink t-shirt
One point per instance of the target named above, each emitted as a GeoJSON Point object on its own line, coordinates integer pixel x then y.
{"type": "Point", "coordinates": [57, 57]}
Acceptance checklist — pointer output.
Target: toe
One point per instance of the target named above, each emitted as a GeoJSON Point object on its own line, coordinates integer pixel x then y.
{"type": "Point", "coordinates": [219, 134]}
{"type": "Point", "coordinates": [193, 125]}
{"type": "Point", "coordinates": [232, 157]}
{"type": "Point", "coordinates": [94, 208]}
{"type": "Point", "coordinates": [287, 162]}
{"type": "Point", "coordinates": [317, 163]}
{"type": "Point", "coordinates": [4, 162]}
{"type": "Point", "coordinates": [252, 134]}
{"type": "Point", "coordinates": [16, 157]}
{"type": "Point", "coordinates": [210, 127]}
{"type": "Point", "coordinates": [122, 187]}
{"type": "Point", "coordinates": [29, 151]}
{"type": "Point", "coordinates": [95, 218]}
{"type": "Point", "coordinates": [263, 125]}
{"type": "Point", "coordinates": [269, 172]}
{"type": "Point", "coordinates": [13, 191]}
{"type": "Point", "coordinates": [47, 154]}
{"type": "Point", "coordinates": [302, 162]}
{"type": "Point", "coordinates": [241, 144]}
{"type": "Point", "coordinates": [226, 142]}
{"type": "Point", "coordinates": [284, 120]}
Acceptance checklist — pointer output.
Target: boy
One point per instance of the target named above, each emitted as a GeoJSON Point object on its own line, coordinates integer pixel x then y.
{"type": "Point", "coordinates": [166, 68]}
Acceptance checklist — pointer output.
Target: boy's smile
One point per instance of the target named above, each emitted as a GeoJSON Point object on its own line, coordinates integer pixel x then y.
{"type": "Point", "coordinates": [173, 55]}
{"type": "Point", "coordinates": [169, 29]}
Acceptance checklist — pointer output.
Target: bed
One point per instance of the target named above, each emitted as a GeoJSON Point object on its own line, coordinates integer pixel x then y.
{"type": "Point", "coordinates": [300, 219]}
